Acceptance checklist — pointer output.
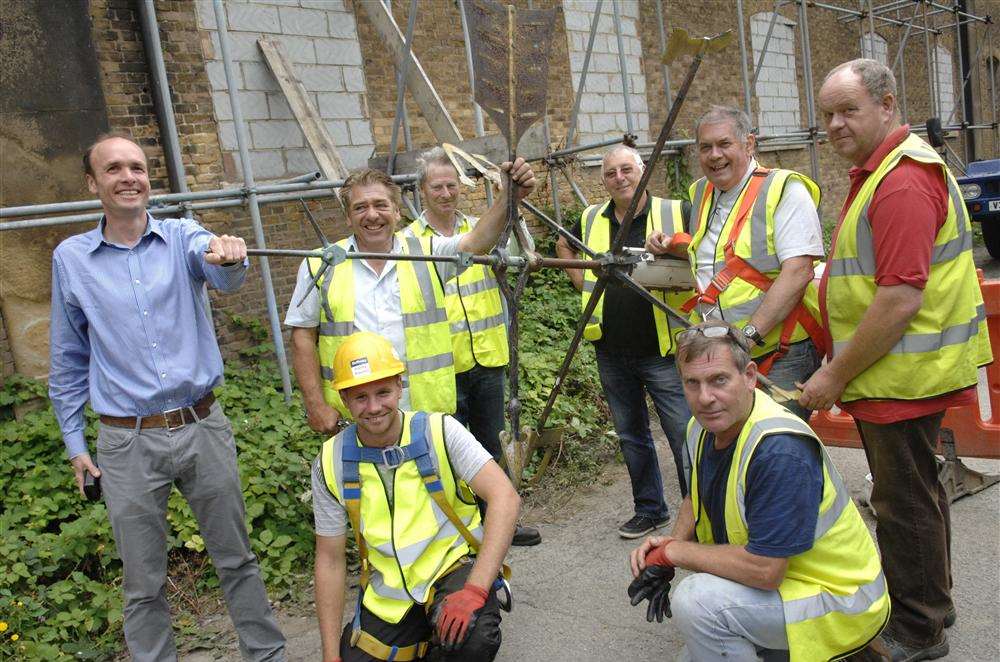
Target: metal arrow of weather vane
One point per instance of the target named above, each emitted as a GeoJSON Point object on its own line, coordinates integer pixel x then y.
{"type": "Point", "coordinates": [510, 49]}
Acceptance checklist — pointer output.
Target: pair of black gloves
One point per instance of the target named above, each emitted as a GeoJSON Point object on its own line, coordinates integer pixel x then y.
{"type": "Point", "coordinates": [653, 584]}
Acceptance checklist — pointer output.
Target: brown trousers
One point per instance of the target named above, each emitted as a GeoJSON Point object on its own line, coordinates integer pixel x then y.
{"type": "Point", "coordinates": [913, 525]}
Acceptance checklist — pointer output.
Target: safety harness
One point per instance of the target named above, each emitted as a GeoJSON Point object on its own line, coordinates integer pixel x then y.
{"type": "Point", "coordinates": [736, 267]}
{"type": "Point", "coordinates": [353, 453]}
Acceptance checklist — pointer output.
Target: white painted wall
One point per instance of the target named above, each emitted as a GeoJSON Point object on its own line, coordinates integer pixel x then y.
{"type": "Point", "coordinates": [945, 72]}
{"type": "Point", "coordinates": [321, 40]}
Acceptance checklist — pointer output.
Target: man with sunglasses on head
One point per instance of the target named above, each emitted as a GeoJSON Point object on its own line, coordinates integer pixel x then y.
{"type": "Point", "coordinates": [768, 529]}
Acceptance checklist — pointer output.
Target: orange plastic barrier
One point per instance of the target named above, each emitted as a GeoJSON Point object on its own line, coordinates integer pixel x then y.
{"type": "Point", "coordinates": [974, 437]}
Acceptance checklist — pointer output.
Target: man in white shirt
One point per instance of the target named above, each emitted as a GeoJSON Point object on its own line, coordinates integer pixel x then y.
{"type": "Point", "coordinates": [755, 236]}
{"type": "Point", "coordinates": [379, 304]}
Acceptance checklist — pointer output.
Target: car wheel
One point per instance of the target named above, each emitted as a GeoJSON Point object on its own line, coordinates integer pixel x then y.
{"type": "Point", "coordinates": [991, 237]}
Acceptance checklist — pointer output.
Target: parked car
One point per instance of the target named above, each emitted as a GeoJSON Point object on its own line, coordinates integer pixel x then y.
{"type": "Point", "coordinates": [981, 190]}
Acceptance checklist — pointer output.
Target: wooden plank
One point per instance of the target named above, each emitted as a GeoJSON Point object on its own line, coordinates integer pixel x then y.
{"type": "Point", "coordinates": [492, 147]}
{"type": "Point", "coordinates": [318, 138]}
{"type": "Point", "coordinates": [430, 104]}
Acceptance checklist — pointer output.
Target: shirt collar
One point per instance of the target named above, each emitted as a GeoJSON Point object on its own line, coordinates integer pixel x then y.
{"type": "Point", "coordinates": [743, 181]}
{"type": "Point", "coordinates": [424, 224]}
{"type": "Point", "coordinates": [96, 236]}
{"type": "Point", "coordinates": [352, 244]}
{"type": "Point", "coordinates": [891, 142]}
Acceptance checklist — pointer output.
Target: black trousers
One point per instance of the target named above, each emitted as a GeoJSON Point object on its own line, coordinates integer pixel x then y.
{"type": "Point", "coordinates": [481, 645]}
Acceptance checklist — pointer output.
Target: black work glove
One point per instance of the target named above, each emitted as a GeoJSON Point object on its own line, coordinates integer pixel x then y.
{"type": "Point", "coordinates": [653, 584]}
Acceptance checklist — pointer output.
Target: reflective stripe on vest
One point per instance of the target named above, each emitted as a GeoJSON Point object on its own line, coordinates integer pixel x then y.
{"type": "Point", "coordinates": [411, 543]}
{"type": "Point", "coordinates": [430, 374]}
{"type": "Point", "coordinates": [834, 595]}
{"type": "Point", "coordinates": [947, 340]}
{"type": "Point", "coordinates": [663, 216]}
{"type": "Point", "coordinates": [755, 245]}
{"type": "Point", "coordinates": [475, 309]}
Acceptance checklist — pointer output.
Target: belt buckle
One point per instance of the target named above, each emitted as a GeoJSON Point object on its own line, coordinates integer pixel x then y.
{"type": "Point", "coordinates": [393, 456]}
{"type": "Point", "coordinates": [179, 411]}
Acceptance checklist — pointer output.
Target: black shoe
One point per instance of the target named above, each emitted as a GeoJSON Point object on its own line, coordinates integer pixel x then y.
{"type": "Point", "coordinates": [902, 653]}
{"type": "Point", "coordinates": [640, 525]}
{"type": "Point", "coordinates": [950, 617]}
{"type": "Point", "coordinates": [526, 536]}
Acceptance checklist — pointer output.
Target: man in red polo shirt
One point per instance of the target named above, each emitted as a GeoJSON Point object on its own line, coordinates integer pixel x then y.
{"type": "Point", "coordinates": [905, 335]}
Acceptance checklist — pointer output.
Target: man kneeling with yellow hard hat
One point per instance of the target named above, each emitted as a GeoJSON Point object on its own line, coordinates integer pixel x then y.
{"type": "Point", "coordinates": [429, 566]}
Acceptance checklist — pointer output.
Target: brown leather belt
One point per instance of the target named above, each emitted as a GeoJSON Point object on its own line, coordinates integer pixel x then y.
{"type": "Point", "coordinates": [172, 419]}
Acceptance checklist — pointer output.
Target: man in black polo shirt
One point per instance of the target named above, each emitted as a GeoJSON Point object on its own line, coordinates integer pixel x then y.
{"type": "Point", "coordinates": [634, 342]}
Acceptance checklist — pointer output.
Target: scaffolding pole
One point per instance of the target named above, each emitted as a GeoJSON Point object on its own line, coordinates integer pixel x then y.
{"type": "Point", "coordinates": [258, 227]}
{"type": "Point", "coordinates": [744, 74]}
{"type": "Point", "coordinates": [902, 67]}
{"type": "Point", "coordinates": [807, 79]}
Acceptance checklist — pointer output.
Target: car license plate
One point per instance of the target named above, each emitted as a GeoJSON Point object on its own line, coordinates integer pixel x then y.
{"type": "Point", "coordinates": [994, 205]}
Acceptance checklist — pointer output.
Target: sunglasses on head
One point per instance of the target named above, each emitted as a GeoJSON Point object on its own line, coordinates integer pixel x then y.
{"type": "Point", "coordinates": [712, 331]}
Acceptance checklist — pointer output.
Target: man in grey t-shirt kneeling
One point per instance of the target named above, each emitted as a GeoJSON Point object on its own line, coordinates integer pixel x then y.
{"type": "Point", "coordinates": [429, 565]}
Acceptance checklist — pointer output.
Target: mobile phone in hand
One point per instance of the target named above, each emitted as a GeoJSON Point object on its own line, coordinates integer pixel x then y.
{"type": "Point", "coordinates": [91, 486]}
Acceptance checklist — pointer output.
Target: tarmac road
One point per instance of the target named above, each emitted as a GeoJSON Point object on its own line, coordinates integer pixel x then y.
{"type": "Point", "coordinates": [569, 592]}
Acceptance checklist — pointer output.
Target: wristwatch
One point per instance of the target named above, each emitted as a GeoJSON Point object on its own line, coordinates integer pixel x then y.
{"type": "Point", "coordinates": [753, 335]}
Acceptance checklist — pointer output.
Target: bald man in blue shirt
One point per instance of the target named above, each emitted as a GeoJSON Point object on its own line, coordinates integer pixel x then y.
{"type": "Point", "coordinates": [132, 333]}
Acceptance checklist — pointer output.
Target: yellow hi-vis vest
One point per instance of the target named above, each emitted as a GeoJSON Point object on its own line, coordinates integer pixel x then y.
{"type": "Point", "coordinates": [410, 543]}
{"type": "Point", "coordinates": [596, 230]}
{"type": "Point", "coordinates": [946, 342]}
{"type": "Point", "coordinates": [475, 309]}
{"type": "Point", "coordinates": [834, 595]}
{"type": "Point", "coordinates": [755, 244]}
{"type": "Point", "coordinates": [430, 373]}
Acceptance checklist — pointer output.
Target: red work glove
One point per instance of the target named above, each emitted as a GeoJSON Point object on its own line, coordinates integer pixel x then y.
{"type": "Point", "coordinates": [679, 241]}
{"type": "Point", "coordinates": [457, 616]}
{"type": "Point", "coordinates": [658, 556]}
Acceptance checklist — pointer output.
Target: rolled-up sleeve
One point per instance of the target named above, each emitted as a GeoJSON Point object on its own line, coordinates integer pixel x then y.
{"type": "Point", "coordinates": [69, 361]}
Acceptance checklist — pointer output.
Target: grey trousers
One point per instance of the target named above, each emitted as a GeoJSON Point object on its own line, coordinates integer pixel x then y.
{"type": "Point", "coordinates": [138, 469]}
{"type": "Point", "coordinates": [723, 620]}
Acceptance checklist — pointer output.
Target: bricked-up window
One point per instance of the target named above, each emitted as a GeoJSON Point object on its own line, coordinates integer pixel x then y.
{"type": "Point", "coordinates": [874, 46]}
{"type": "Point", "coordinates": [321, 40]}
{"type": "Point", "coordinates": [602, 106]}
{"type": "Point", "coordinates": [945, 82]}
{"type": "Point", "coordinates": [777, 88]}
{"type": "Point", "coordinates": [992, 82]}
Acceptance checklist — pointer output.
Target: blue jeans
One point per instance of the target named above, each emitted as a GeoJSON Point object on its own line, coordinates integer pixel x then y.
{"type": "Point", "coordinates": [626, 381]}
{"type": "Point", "coordinates": [798, 365]}
{"type": "Point", "coordinates": [479, 405]}
{"type": "Point", "coordinates": [723, 620]}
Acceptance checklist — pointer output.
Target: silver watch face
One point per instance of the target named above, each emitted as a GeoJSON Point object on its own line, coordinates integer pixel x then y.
{"type": "Point", "coordinates": [749, 330]}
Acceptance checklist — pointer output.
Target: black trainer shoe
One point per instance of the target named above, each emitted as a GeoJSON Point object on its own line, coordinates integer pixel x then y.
{"type": "Point", "coordinates": [640, 525]}
{"type": "Point", "coordinates": [526, 536]}
{"type": "Point", "coordinates": [902, 653]}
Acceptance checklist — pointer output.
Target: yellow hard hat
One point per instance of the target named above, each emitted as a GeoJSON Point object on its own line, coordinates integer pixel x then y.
{"type": "Point", "coordinates": [364, 357]}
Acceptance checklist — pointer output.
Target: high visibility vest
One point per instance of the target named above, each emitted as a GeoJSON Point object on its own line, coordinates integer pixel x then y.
{"type": "Point", "coordinates": [947, 341]}
{"type": "Point", "coordinates": [596, 230]}
{"type": "Point", "coordinates": [409, 544]}
{"type": "Point", "coordinates": [834, 595]}
{"type": "Point", "coordinates": [430, 373]}
{"type": "Point", "coordinates": [475, 309]}
{"type": "Point", "coordinates": [739, 289]}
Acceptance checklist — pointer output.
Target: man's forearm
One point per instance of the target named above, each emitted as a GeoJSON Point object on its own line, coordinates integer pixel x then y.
{"type": "Point", "coordinates": [880, 328]}
{"type": "Point", "coordinates": [330, 578]}
{"type": "Point", "coordinates": [729, 561]}
{"type": "Point", "coordinates": [565, 251]}
{"type": "Point", "coordinates": [498, 529]}
{"type": "Point", "coordinates": [305, 361]}
{"type": "Point", "coordinates": [684, 526]}
{"type": "Point", "coordinates": [481, 238]}
{"type": "Point", "coordinates": [785, 293]}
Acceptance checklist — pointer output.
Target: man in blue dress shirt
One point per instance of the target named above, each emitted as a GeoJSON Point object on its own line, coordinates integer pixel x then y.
{"type": "Point", "coordinates": [132, 333]}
